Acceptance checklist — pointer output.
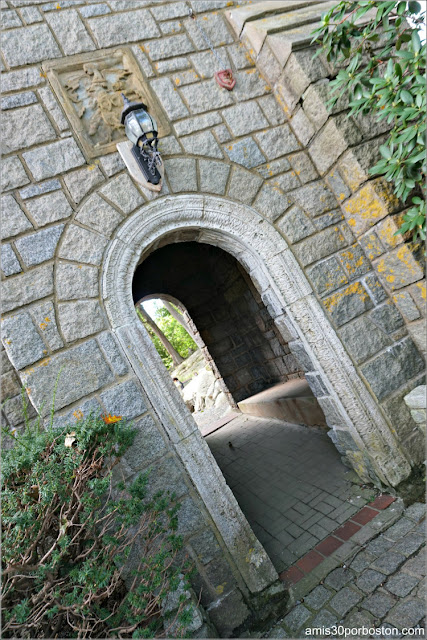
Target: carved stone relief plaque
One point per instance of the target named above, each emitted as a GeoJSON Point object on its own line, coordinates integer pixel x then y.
{"type": "Point", "coordinates": [89, 87]}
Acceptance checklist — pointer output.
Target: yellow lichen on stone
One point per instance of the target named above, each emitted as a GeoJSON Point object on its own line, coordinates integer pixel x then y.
{"type": "Point", "coordinates": [422, 288]}
{"type": "Point", "coordinates": [354, 289]}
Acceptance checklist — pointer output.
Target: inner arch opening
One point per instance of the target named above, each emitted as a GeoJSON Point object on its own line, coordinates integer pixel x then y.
{"type": "Point", "coordinates": [278, 470]}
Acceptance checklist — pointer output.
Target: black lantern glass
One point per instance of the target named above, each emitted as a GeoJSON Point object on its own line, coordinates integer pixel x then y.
{"type": "Point", "coordinates": [141, 130]}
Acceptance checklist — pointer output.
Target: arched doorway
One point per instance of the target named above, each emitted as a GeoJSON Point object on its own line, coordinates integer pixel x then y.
{"type": "Point", "coordinates": [284, 290]}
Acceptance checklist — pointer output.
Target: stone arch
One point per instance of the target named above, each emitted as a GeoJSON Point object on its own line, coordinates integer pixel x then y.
{"type": "Point", "coordinates": [244, 233]}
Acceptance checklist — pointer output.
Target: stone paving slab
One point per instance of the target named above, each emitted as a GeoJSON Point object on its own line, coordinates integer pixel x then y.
{"type": "Point", "coordinates": [289, 481]}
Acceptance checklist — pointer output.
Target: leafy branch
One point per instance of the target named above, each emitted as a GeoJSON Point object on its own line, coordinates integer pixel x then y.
{"type": "Point", "coordinates": [381, 63]}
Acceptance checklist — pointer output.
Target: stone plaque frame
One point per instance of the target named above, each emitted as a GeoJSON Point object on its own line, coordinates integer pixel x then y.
{"type": "Point", "coordinates": [58, 71]}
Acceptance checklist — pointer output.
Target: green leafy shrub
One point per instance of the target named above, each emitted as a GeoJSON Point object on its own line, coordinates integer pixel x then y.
{"type": "Point", "coordinates": [84, 557]}
{"type": "Point", "coordinates": [383, 71]}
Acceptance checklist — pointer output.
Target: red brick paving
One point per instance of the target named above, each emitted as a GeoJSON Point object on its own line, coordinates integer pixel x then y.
{"type": "Point", "coordinates": [381, 502]}
{"type": "Point", "coordinates": [309, 561]}
{"type": "Point", "coordinates": [347, 530]}
{"type": "Point", "coordinates": [365, 515]}
{"type": "Point", "coordinates": [328, 546]}
{"type": "Point", "coordinates": [291, 576]}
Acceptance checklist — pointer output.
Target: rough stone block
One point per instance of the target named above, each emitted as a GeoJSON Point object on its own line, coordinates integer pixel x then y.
{"type": "Point", "coordinates": [80, 319]}
{"type": "Point", "coordinates": [39, 247]}
{"type": "Point", "coordinates": [53, 159]}
{"type": "Point", "coordinates": [70, 32]}
{"type": "Point", "coordinates": [354, 262]}
{"type": "Point", "coordinates": [345, 600]}
{"type": "Point", "coordinates": [243, 185]}
{"type": "Point", "coordinates": [129, 26]}
{"type": "Point", "coordinates": [125, 399]}
{"type": "Point", "coordinates": [387, 317]}
{"type": "Point", "coordinates": [25, 127]}
{"type": "Point", "coordinates": [49, 208]}
{"type": "Point", "coordinates": [181, 174]}
{"type": "Point", "coordinates": [9, 262]}
{"type": "Point", "coordinates": [416, 399]}
{"type": "Point", "coordinates": [82, 245]}
{"type": "Point", "coordinates": [215, 28]}
{"type": "Point", "coordinates": [391, 369]}
{"type": "Point", "coordinates": [81, 370]}
{"type": "Point", "coordinates": [369, 205]}
{"type": "Point", "coordinates": [13, 219]}
{"type": "Point", "coordinates": [371, 245]}
{"type": "Point", "coordinates": [286, 182]}
{"type": "Point", "coordinates": [170, 99]}
{"type": "Point", "coordinates": [18, 100]}
{"type": "Point", "coordinates": [327, 276]}
{"type": "Point", "coordinates": [27, 287]}
{"type": "Point", "coordinates": [278, 141]}
{"type": "Point", "coordinates": [34, 190]}
{"type": "Point", "coordinates": [206, 96]}
{"type": "Point", "coordinates": [99, 215]}
{"type": "Point", "coordinates": [29, 45]}
{"type": "Point", "coordinates": [213, 176]}
{"type": "Point", "coordinates": [375, 289]}
{"type": "Point", "coordinates": [54, 109]}
{"type": "Point", "coordinates": [245, 152]}
{"type": "Point", "coordinates": [378, 604]}
{"type": "Point", "coordinates": [228, 613]}
{"type": "Point", "coordinates": [338, 133]}
{"type": "Point", "coordinates": [406, 305]}
{"type": "Point", "coordinates": [21, 79]}
{"type": "Point", "coordinates": [148, 443]}
{"type": "Point", "coordinates": [113, 353]}
{"type": "Point", "coordinates": [315, 198]}
{"type": "Point", "coordinates": [13, 174]}
{"type": "Point", "coordinates": [348, 304]}
{"type": "Point", "coordinates": [80, 182]}
{"type": "Point", "coordinates": [10, 19]}
{"type": "Point", "coordinates": [271, 202]}
{"type": "Point", "coordinates": [363, 339]}
{"type": "Point", "coordinates": [245, 118]}
{"type": "Point", "coordinates": [75, 281]}
{"type": "Point", "coordinates": [302, 127]}
{"type": "Point", "coordinates": [321, 245]}
{"type": "Point", "coordinates": [202, 144]}
{"type": "Point", "coordinates": [272, 110]}
{"type": "Point", "coordinates": [171, 47]}
{"type": "Point", "coordinates": [93, 10]}
{"type": "Point", "coordinates": [23, 344]}
{"type": "Point", "coordinates": [10, 386]}
{"type": "Point", "coordinates": [44, 317]}
{"type": "Point", "coordinates": [296, 225]}
{"type": "Point", "coordinates": [399, 267]}
{"type": "Point", "coordinates": [190, 125]}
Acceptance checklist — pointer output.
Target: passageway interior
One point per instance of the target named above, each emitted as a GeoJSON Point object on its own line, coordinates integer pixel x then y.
{"type": "Point", "coordinates": [286, 477]}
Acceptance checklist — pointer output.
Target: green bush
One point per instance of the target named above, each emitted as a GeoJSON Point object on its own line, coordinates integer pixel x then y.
{"type": "Point", "coordinates": [383, 64]}
{"type": "Point", "coordinates": [84, 557]}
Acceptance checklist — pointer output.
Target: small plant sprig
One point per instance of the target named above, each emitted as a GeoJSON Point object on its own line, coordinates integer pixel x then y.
{"type": "Point", "coordinates": [383, 64]}
{"type": "Point", "coordinates": [84, 557]}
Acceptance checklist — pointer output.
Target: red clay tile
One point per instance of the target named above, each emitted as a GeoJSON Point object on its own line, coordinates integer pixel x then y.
{"type": "Point", "coordinates": [382, 502]}
{"type": "Point", "coordinates": [365, 515]}
{"type": "Point", "coordinates": [347, 530]}
{"type": "Point", "coordinates": [328, 545]}
{"type": "Point", "coordinates": [309, 561]}
{"type": "Point", "coordinates": [291, 576]}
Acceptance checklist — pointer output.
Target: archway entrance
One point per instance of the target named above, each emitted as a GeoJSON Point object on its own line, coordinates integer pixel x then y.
{"type": "Point", "coordinates": [279, 280]}
{"type": "Point", "coordinates": [286, 474]}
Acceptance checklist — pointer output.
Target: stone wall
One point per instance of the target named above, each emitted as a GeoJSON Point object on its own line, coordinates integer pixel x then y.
{"type": "Point", "coordinates": [250, 171]}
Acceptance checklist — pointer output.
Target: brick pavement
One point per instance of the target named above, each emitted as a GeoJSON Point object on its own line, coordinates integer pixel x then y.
{"type": "Point", "coordinates": [289, 481]}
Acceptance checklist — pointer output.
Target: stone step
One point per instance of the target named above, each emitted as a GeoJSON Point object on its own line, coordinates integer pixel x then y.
{"type": "Point", "coordinates": [240, 16]}
{"type": "Point", "coordinates": [292, 401]}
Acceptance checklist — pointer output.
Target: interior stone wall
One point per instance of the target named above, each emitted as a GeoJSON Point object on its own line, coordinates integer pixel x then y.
{"type": "Point", "coordinates": [243, 170]}
{"type": "Point", "coordinates": [233, 322]}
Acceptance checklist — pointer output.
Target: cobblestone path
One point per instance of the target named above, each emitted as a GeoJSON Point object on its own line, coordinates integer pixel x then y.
{"type": "Point", "coordinates": [289, 481]}
{"type": "Point", "coordinates": [380, 584]}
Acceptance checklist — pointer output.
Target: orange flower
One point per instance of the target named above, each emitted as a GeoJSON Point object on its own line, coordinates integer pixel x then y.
{"type": "Point", "coordinates": [109, 419]}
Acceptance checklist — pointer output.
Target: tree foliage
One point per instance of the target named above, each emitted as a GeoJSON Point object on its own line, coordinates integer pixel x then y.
{"type": "Point", "coordinates": [378, 47]}
{"type": "Point", "coordinates": [175, 333]}
{"type": "Point", "coordinates": [84, 557]}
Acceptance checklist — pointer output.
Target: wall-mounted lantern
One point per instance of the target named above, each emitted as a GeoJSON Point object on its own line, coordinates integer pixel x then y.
{"type": "Point", "coordinates": [140, 153]}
